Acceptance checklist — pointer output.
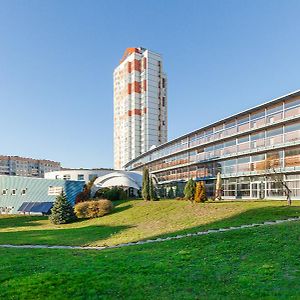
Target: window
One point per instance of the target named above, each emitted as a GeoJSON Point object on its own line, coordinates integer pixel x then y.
{"type": "Point", "coordinates": [292, 103]}
{"type": "Point", "coordinates": [259, 157]}
{"type": "Point", "coordinates": [244, 160]}
{"type": "Point", "coordinates": [209, 131]}
{"type": "Point", "coordinates": [23, 192]}
{"type": "Point", "coordinates": [229, 125]}
{"type": "Point", "coordinates": [243, 139]}
{"type": "Point", "coordinates": [219, 128]}
{"type": "Point", "coordinates": [292, 157]}
{"type": "Point", "coordinates": [274, 109]}
{"type": "Point", "coordinates": [80, 177]}
{"type": "Point", "coordinates": [219, 146]}
{"type": "Point", "coordinates": [258, 115]}
{"type": "Point", "coordinates": [292, 127]}
{"type": "Point", "coordinates": [230, 143]}
{"type": "Point", "coordinates": [274, 132]}
{"type": "Point", "coordinates": [14, 192]}
{"type": "Point", "coordinates": [243, 120]}
{"type": "Point", "coordinates": [55, 190]}
{"type": "Point", "coordinates": [4, 192]}
{"type": "Point", "coordinates": [67, 177]}
{"type": "Point", "coordinates": [257, 136]}
{"type": "Point", "coordinates": [230, 162]}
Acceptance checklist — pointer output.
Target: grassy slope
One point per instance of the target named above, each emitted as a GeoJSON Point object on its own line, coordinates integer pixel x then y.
{"type": "Point", "coordinates": [135, 220]}
{"type": "Point", "coordinates": [255, 263]}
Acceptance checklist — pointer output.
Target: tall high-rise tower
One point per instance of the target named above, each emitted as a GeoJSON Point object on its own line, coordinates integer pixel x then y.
{"type": "Point", "coordinates": [140, 105]}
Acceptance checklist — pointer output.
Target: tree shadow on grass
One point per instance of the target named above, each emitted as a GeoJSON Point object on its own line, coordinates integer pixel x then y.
{"type": "Point", "coordinates": [66, 236]}
{"type": "Point", "coordinates": [118, 209]}
{"type": "Point", "coordinates": [21, 221]}
{"type": "Point", "coordinates": [12, 221]}
{"type": "Point", "coordinates": [251, 216]}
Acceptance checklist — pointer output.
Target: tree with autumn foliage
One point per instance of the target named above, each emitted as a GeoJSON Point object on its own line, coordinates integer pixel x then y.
{"type": "Point", "coordinates": [200, 192]}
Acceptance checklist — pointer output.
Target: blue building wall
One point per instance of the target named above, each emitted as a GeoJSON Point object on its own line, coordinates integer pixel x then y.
{"type": "Point", "coordinates": [37, 190]}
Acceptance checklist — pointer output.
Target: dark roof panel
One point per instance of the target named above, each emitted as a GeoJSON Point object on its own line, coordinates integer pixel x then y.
{"type": "Point", "coordinates": [38, 207]}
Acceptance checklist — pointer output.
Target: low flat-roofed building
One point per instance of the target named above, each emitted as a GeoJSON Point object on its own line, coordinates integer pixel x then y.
{"type": "Point", "coordinates": [78, 174]}
{"type": "Point", "coordinates": [17, 193]}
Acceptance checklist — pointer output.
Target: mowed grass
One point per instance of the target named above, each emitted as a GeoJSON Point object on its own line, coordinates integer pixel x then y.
{"type": "Point", "coordinates": [139, 220]}
{"type": "Point", "coordinates": [252, 263]}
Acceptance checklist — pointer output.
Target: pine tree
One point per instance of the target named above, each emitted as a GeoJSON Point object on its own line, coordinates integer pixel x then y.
{"type": "Point", "coordinates": [203, 196]}
{"type": "Point", "coordinates": [152, 194]}
{"type": "Point", "coordinates": [146, 185]}
{"type": "Point", "coordinates": [189, 189]}
{"type": "Point", "coordinates": [62, 211]}
{"type": "Point", "coordinates": [171, 193]}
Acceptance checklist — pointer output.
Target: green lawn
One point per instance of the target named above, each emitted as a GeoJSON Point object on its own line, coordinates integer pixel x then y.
{"type": "Point", "coordinates": [135, 220]}
{"type": "Point", "coordinates": [252, 263]}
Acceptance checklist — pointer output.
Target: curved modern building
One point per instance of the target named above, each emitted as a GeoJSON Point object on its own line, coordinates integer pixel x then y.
{"type": "Point", "coordinates": [131, 181]}
{"type": "Point", "coordinates": [251, 150]}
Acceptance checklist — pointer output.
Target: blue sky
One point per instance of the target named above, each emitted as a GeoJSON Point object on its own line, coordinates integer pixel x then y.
{"type": "Point", "coordinates": [57, 58]}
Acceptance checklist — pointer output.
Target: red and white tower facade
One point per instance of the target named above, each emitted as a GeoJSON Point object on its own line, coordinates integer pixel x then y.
{"type": "Point", "coordinates": [140, 105]}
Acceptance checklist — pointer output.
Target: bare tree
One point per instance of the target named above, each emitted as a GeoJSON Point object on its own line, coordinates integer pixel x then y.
{"type": "Point", "coordinates": [218, 193]}
{"type": "Point", "coordinates": [271, 164]}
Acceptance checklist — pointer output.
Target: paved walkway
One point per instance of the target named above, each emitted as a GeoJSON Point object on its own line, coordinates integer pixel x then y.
{"type": "Point", "coordinates": [158, 240]}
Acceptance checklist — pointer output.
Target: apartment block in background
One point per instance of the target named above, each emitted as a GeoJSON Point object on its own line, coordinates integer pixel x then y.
{"type": "Point", "coordinates": [29, 167]}
{"type": "Point", "coordinates": [140, 105]}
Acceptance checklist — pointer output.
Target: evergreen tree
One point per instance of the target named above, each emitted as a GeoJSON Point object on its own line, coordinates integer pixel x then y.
{"type": "Point", "coordinates": [152, 190]}
{"type": "Point", "coordinates": [171, 193]}
{"type": "Point", "coordinates": [189, 189]}
{"type": "Point", "coordinates": [203, 196]}
{"type": "Point", "coordinates": [62, 211]}
{"type": "Point", "coordinates": [146, 185]}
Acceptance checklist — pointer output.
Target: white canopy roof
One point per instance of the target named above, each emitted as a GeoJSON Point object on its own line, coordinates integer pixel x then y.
{"type": "Point", "coordinates": [121, 178]}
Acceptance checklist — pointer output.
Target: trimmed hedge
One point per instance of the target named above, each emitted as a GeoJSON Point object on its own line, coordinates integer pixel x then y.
{"type": "Point", "coordinates": [93, 209]}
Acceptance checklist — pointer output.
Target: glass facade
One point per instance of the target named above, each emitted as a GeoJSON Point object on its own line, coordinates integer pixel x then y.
{"type": "Point", "coordinates": [250, 150]}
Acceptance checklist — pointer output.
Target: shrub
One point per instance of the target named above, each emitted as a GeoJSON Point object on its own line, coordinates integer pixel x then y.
{"type": "Point", "coordinates": [114, 194]}
{"type": "Point", "coordinates": [189, 190]}
{"type": "Point", "coordinates": [197, 192]}
{"type": "Point", "coordinates": [62, 211]}
{"type": "Point", "coordinates": [203, 196]}
{"type": "Point", "coordinates": [101, 193]}
{"type": "Point", "coordinates": [93, 208]}
{"type": "Point", "coordinates": [200, 194]}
